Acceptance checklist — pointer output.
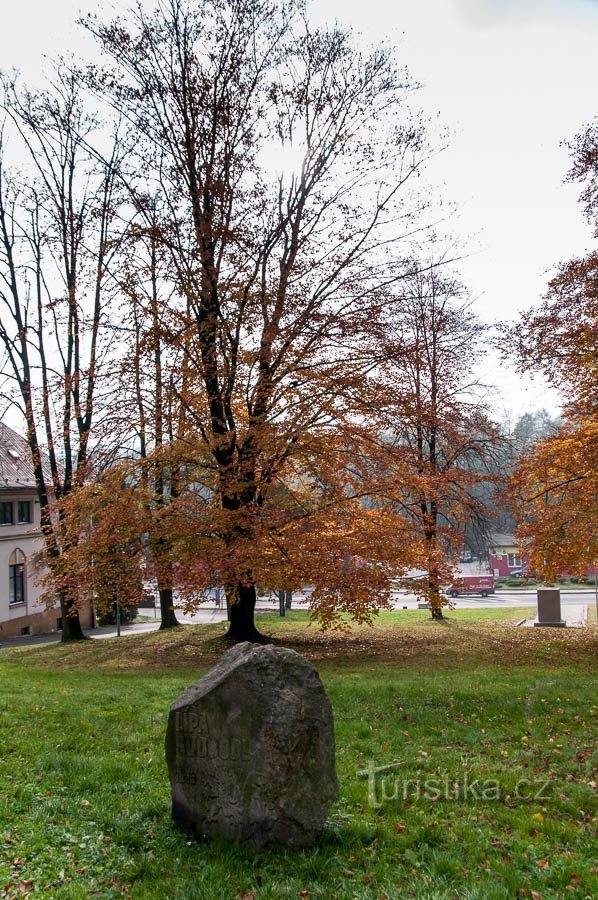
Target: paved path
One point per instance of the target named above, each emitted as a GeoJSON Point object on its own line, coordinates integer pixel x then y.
{"type": "Point", "coordinates": [574, 616]}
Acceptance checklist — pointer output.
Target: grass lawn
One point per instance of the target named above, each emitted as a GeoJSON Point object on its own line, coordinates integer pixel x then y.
{"type": "Point", "coordinates": [513, 584]}
{"type": "Point", "coordinates": [86, 805]}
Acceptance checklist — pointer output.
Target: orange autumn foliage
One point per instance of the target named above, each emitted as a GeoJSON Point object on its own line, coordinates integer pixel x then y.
{"type": "Point", "coordinates": [318, 532]}
{"type": "Point", "coordinates": [274, 272]}
{"type": "Point", "coordinates": [555, 486]}
{"type": "Point", "coordinates": [438, 448]}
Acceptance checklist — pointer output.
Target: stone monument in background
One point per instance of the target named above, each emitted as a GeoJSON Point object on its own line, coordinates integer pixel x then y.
{"type": "Point", "coordinates": [549, 608]}
{"type": "Point", "coordinates": [250, 750]}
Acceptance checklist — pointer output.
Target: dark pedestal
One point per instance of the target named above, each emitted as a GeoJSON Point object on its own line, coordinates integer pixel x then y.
{"type": "Point", "coordinates": [549, 608]}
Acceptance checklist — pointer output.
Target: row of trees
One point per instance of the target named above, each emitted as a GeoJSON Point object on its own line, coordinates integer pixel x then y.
{"type": "Point", "coordinates": [59, 228]}
{"type": "Point", "coordinates": [239, 369]}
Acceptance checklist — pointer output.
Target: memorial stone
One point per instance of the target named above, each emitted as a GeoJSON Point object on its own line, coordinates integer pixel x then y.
{"type": "Point", "coordinates": [250, 750]}
{"type": "Point", "coordinates": [549, 608]}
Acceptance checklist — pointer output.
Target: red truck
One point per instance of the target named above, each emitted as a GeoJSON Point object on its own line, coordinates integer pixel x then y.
{"type": "Point", "coordinates": [471, 584]}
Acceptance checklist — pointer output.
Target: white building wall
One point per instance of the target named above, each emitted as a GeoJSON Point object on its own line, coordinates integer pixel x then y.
{"type": "Point", "coordinates": [27, 538]}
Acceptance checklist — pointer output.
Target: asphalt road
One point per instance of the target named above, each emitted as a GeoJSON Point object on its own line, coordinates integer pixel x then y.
{"type": "Point", "coordinates": [506, 598]}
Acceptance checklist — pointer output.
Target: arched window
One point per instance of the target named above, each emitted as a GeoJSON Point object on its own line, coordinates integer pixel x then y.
{"type": "Point", "coordinates": [16, 577]}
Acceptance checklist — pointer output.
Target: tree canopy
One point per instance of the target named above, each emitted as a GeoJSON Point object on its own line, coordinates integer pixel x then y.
{"type": "Point", "coordinates": [555, 487]}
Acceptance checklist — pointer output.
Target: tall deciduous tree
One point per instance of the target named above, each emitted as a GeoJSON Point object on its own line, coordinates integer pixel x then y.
{"type": "Point", "coordinates": [554, 490]}
{"type": "Point", "coordinates": [146, 409]}
{"type": "Point", "coordinates": [278, 272]}
{"type": "Point", "coordinates": [439, 445]}
{"type": "Point", "coordinates": [56, 243]}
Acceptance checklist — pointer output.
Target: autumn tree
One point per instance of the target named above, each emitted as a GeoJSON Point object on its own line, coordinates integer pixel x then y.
{"type": "Point", "coordinates": [103, 525]}
{"type": "Point", "coordinates": [282, 155]}
{"type": "Point", "coordinates": [58, 236]}
{"type": "Point", "coordinates": [146, 412]}
{"type": "Point", "coordinates": [554, 489]}
{"type": "Point", "coordinates": [554, 495]}
{"type": "Point", "coordinates": [439, 445]}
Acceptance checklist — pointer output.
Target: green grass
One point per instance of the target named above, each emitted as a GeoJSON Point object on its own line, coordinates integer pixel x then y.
{"type": "Point", "coordinates": [531, 584]}
{"type": "Point", "coordinates": [86, 809]}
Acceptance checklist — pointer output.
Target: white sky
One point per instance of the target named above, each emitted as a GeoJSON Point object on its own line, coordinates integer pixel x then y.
{"type": "Point", "coordinates": [511, 79]}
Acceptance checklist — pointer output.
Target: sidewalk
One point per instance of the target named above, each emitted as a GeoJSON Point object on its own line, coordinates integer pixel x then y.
{"type": "Point", "coordinates": [574, 616]}
{"type": "Point", "coordinates": [208, 612]}
{"type": "Point", "coordinates": [205, 615]}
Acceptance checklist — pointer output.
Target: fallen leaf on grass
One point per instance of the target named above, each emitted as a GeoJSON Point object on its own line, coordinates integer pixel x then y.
{"type": "Point", "coordinates": [542, 863]}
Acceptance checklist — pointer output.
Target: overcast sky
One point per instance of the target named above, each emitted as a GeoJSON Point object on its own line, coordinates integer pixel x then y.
{"type": "Point", "coordinates": [510, 79]}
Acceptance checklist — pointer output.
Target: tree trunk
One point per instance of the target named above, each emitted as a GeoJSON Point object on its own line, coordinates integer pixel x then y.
{"type": "Point", "coordinates": [71, 624]}
{"type": "Point", "coordinates": [168, 617]}
{"type": "Point", "coordinates": [242, 610]}
{"type": "Point", "coordinates": [288, 599]}
{"type": "Point", "coordinates": [435, 597]}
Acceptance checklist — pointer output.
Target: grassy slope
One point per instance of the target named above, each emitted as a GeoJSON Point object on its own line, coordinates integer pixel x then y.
{"type": "Point", "coordinates": [86, 809]}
